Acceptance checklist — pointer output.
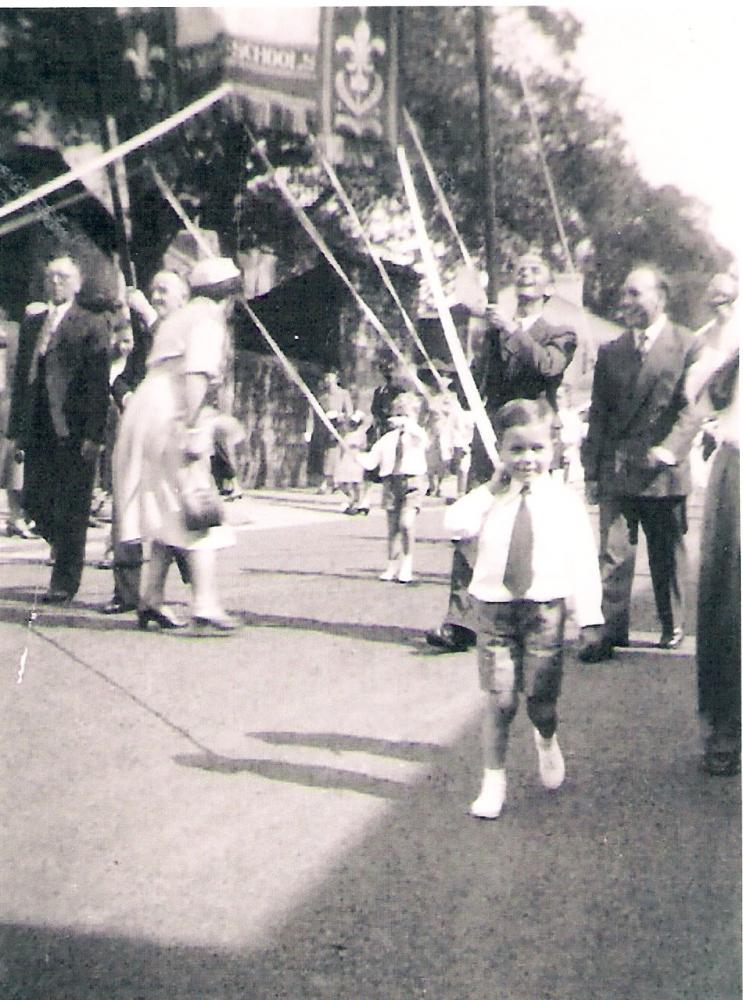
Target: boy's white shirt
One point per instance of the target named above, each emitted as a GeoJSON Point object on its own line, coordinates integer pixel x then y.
{"type": "Point", "coordinates": [565, 561]}
{"type": "Point", "coordinates": [382, 452]}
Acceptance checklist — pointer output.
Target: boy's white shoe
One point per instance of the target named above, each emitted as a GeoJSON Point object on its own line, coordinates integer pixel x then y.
{"type": "Point", "coordinates": [551, 762]}
{"type": "Point", "coordinates": [406, 570]}
{"type": "Point", "coordinates": [391, 572]}
{"type": "Point", "coordinates": [489, 803]}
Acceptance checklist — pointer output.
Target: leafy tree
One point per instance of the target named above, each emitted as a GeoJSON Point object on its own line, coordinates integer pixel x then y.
{"type": "Point", "coordinates": [62, 69]}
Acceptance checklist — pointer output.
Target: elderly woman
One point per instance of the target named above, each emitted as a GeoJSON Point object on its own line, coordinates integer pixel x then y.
{"type": "Point", "coordinates": [164, 445]}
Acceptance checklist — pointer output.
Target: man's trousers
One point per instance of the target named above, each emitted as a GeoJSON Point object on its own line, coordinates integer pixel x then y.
{"type": "Point", "coordinates": [57, 494]}
{"type": "Point", "coordinates": [663, 521]}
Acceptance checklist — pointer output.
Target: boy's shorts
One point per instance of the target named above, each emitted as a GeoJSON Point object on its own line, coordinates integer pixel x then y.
{"type": "Point", "coordinates": [520, 646]}
{"type": "Point", "coordinates": [403, 493]}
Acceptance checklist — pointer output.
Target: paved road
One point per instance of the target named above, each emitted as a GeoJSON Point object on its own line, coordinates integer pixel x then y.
{"type": "Point", "coordinates": [281, 814]}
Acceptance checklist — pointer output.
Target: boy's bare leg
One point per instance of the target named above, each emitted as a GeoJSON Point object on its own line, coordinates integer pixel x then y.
{"type": "Point", "coordinates": [496, 724]}
{"type": "Point", "coordinates": [407, 539]}
{"type": "Point", "coordinates": [393, 545]}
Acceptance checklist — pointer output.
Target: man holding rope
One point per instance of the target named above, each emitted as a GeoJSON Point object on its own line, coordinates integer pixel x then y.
{"type": "Point", "coordinates": [524, 357]}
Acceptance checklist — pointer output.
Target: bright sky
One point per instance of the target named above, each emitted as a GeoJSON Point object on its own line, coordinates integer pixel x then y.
{"type": "Point", "coordinates": [673, 73]}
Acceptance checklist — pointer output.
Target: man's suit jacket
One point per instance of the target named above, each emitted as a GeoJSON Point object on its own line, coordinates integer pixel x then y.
{"type": "Point", "coordinates": [638, 404]}
{"type": "Point", "coordinates": [525, 365]}
{"type": "Point", "coordinates": [135, 368]}
{"type": "Point", "coordinates": [76, 377]}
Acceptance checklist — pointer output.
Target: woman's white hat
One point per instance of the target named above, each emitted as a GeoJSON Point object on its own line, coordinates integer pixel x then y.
{"type": "Point", "coordinates": [213, 271]}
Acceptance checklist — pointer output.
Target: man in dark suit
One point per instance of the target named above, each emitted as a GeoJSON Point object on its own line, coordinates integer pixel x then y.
{"type": "Point", "coordinates": [58, 418]}
{"type": "Point", "coordinates": [523, 357]}
{"type": "Point", "coordinates": [636, 458]}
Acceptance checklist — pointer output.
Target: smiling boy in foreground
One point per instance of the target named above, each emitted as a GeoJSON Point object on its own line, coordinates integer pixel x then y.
{"type": "Point", "coordinates": [535, 551]}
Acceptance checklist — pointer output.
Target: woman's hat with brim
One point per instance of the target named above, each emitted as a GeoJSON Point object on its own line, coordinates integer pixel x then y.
{"type": "Point", "coordinates": [213, 271]}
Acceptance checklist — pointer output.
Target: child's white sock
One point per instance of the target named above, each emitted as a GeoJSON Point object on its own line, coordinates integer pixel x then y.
{"type": "Point", "coordinates": [551, 761]}
{"type": "Point", "coordinates": [391, 572]}
{"type": "Point", "coordinates": [406, 569]}
{"type": "Point", "coordinates": [492, 795]}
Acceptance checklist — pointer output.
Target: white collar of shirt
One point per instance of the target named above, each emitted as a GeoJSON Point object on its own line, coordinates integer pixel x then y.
{"type": "Point", "coordinates": [513, 491]}
{"type": "Point", "coordinates": [59, 312]}
{"type": "Point", "coordinates": [527, 322]}
{"type": "Point", "coordinates": [653, 330]}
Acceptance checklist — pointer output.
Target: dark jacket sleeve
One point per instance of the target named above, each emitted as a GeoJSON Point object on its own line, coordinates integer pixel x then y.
{"type": "Point", "coordinates": [689, 415]}
{"type": "Point", "coordinates": [135, 368]}
{"type": "Point", "coordinates": [597, 420]}
{"type": "Point", "coordinates": [18, 417]}
{"type": "Point", "coordinates": [95, 373]}
{"type": "Point", "coordinates": [550, 355]}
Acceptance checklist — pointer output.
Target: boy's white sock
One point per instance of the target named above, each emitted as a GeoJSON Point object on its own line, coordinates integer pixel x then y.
{"type": "Point", "coordinates": [391, 572]}
{"type": "Point", "coordinates": [551, 762]}
{"type": "Point", "coordinates": [492, 795]}
{"type": "Point", "coordinates": [406, 569]}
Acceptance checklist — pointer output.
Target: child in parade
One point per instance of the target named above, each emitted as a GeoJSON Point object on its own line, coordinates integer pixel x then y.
{"type": "Point", "coordinates": [535, 551]}
{"type": "Point", "coordinates": [349, 473]}
{"type": "Point", "coordinates": [400, 456]}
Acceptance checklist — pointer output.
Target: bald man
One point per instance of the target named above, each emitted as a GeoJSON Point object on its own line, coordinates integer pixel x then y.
{"type": "Point", "coordinates": [58, 413]}
{"type": "Point", "coordinates": [635, 457]}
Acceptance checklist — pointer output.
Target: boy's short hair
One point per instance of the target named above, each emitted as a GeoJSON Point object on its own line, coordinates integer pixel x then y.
{"type": "Point", "coordinates": [521, 413]}
{"type": "Point", "coordinates": [409, 402]}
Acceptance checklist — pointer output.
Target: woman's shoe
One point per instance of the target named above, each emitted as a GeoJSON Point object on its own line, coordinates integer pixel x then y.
{"type": "Point", "coordinates": [362, 510]}
{"type": "Point", "coordinates": [213, 624]}
{"type": "Point", "coordinates": [163, 617]}
{"type": "Point", "coordinates": [20, 528]}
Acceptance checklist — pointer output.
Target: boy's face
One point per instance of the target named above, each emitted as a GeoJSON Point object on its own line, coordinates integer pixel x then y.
{"type": "Point", "coordinates": [526, 452]}
{"type": "Point", "coordinates": [401, 412]}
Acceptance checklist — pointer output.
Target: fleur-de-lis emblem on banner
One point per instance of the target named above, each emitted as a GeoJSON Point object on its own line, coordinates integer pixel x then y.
{"type": "Point", "coordinates": [359, 86]}
{"type": "Point", "coordinates": [142, 56]}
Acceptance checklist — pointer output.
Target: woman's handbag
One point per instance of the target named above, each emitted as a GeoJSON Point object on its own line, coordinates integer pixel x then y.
{"type": "Point", "coordinates": [202, 504]}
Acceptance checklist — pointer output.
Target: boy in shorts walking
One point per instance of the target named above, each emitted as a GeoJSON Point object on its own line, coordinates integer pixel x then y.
{"type": "Point", "coordinates": [400, 456]}
{"type": "Point", "coordinates": [535, 551]}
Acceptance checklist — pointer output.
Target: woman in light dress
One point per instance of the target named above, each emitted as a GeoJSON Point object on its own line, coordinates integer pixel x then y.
{"type": "Point", "coordinates": [165, 443]}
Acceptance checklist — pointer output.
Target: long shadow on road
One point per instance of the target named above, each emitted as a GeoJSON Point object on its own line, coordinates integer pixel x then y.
{"type": "Point", "coordinates": [624, 885]}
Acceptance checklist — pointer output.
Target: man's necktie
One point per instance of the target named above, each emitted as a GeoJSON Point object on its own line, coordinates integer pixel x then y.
{"type": "Point", "coordinates": [641, 340]}
{"type": "Point", "coordinates": [518, 573]}
{"type": "Point", "coordinates": [43, 340]}
{"type": "Point", "coordinates": [397, 467]}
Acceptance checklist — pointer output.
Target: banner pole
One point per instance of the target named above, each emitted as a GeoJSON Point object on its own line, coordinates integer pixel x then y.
{"type": "Point", "coordinates": [372, 251]}
{"type": "Point", "coordinates": [437, 189]}
{"type": "Point", "coordinates": [118, 152]}
{"type": "Point", "coordinates": [289, 368]}
{"type": "Point", "coordinates": [482, 421]}
{"type": "Point", "coordinates": [328, 254]}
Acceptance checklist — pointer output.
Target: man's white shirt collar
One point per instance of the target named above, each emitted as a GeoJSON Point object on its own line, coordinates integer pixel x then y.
{"type": "Point", "coordinates": [60, 311]}
{"type": "Point", "coordinates": [527, 322]}
{"type": "Point", "coordinates": [653, 330]}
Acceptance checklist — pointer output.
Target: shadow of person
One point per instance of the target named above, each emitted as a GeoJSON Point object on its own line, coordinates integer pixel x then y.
{"type": "Point", "coordinates": [309, 775]}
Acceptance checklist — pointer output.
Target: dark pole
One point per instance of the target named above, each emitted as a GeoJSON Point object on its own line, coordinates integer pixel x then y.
{"type": "Point", "coordinates": [109, 138]}
{"type": "Point", "coordinates": [483, 59]}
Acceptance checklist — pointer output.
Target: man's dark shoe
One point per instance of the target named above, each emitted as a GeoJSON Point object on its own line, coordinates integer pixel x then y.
{"type": "Point", "coordinates": [595, 652]}
{"type": "Point", "coordinates": [115, 607]}
{"type": "Point", "coordinates": [451, 638]}
{"type": "Point", "coordinates": [60, 597]}
{"type": "Point", "coordinates": [721, 764]}
{"type": "Point", "coordinates": [672, 639]}
{"type": "Point", "coordinates": [621, 641]}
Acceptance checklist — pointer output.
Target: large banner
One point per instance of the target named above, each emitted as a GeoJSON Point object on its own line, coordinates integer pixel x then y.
{"type": "Point", "coordinates": [320, 70]}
